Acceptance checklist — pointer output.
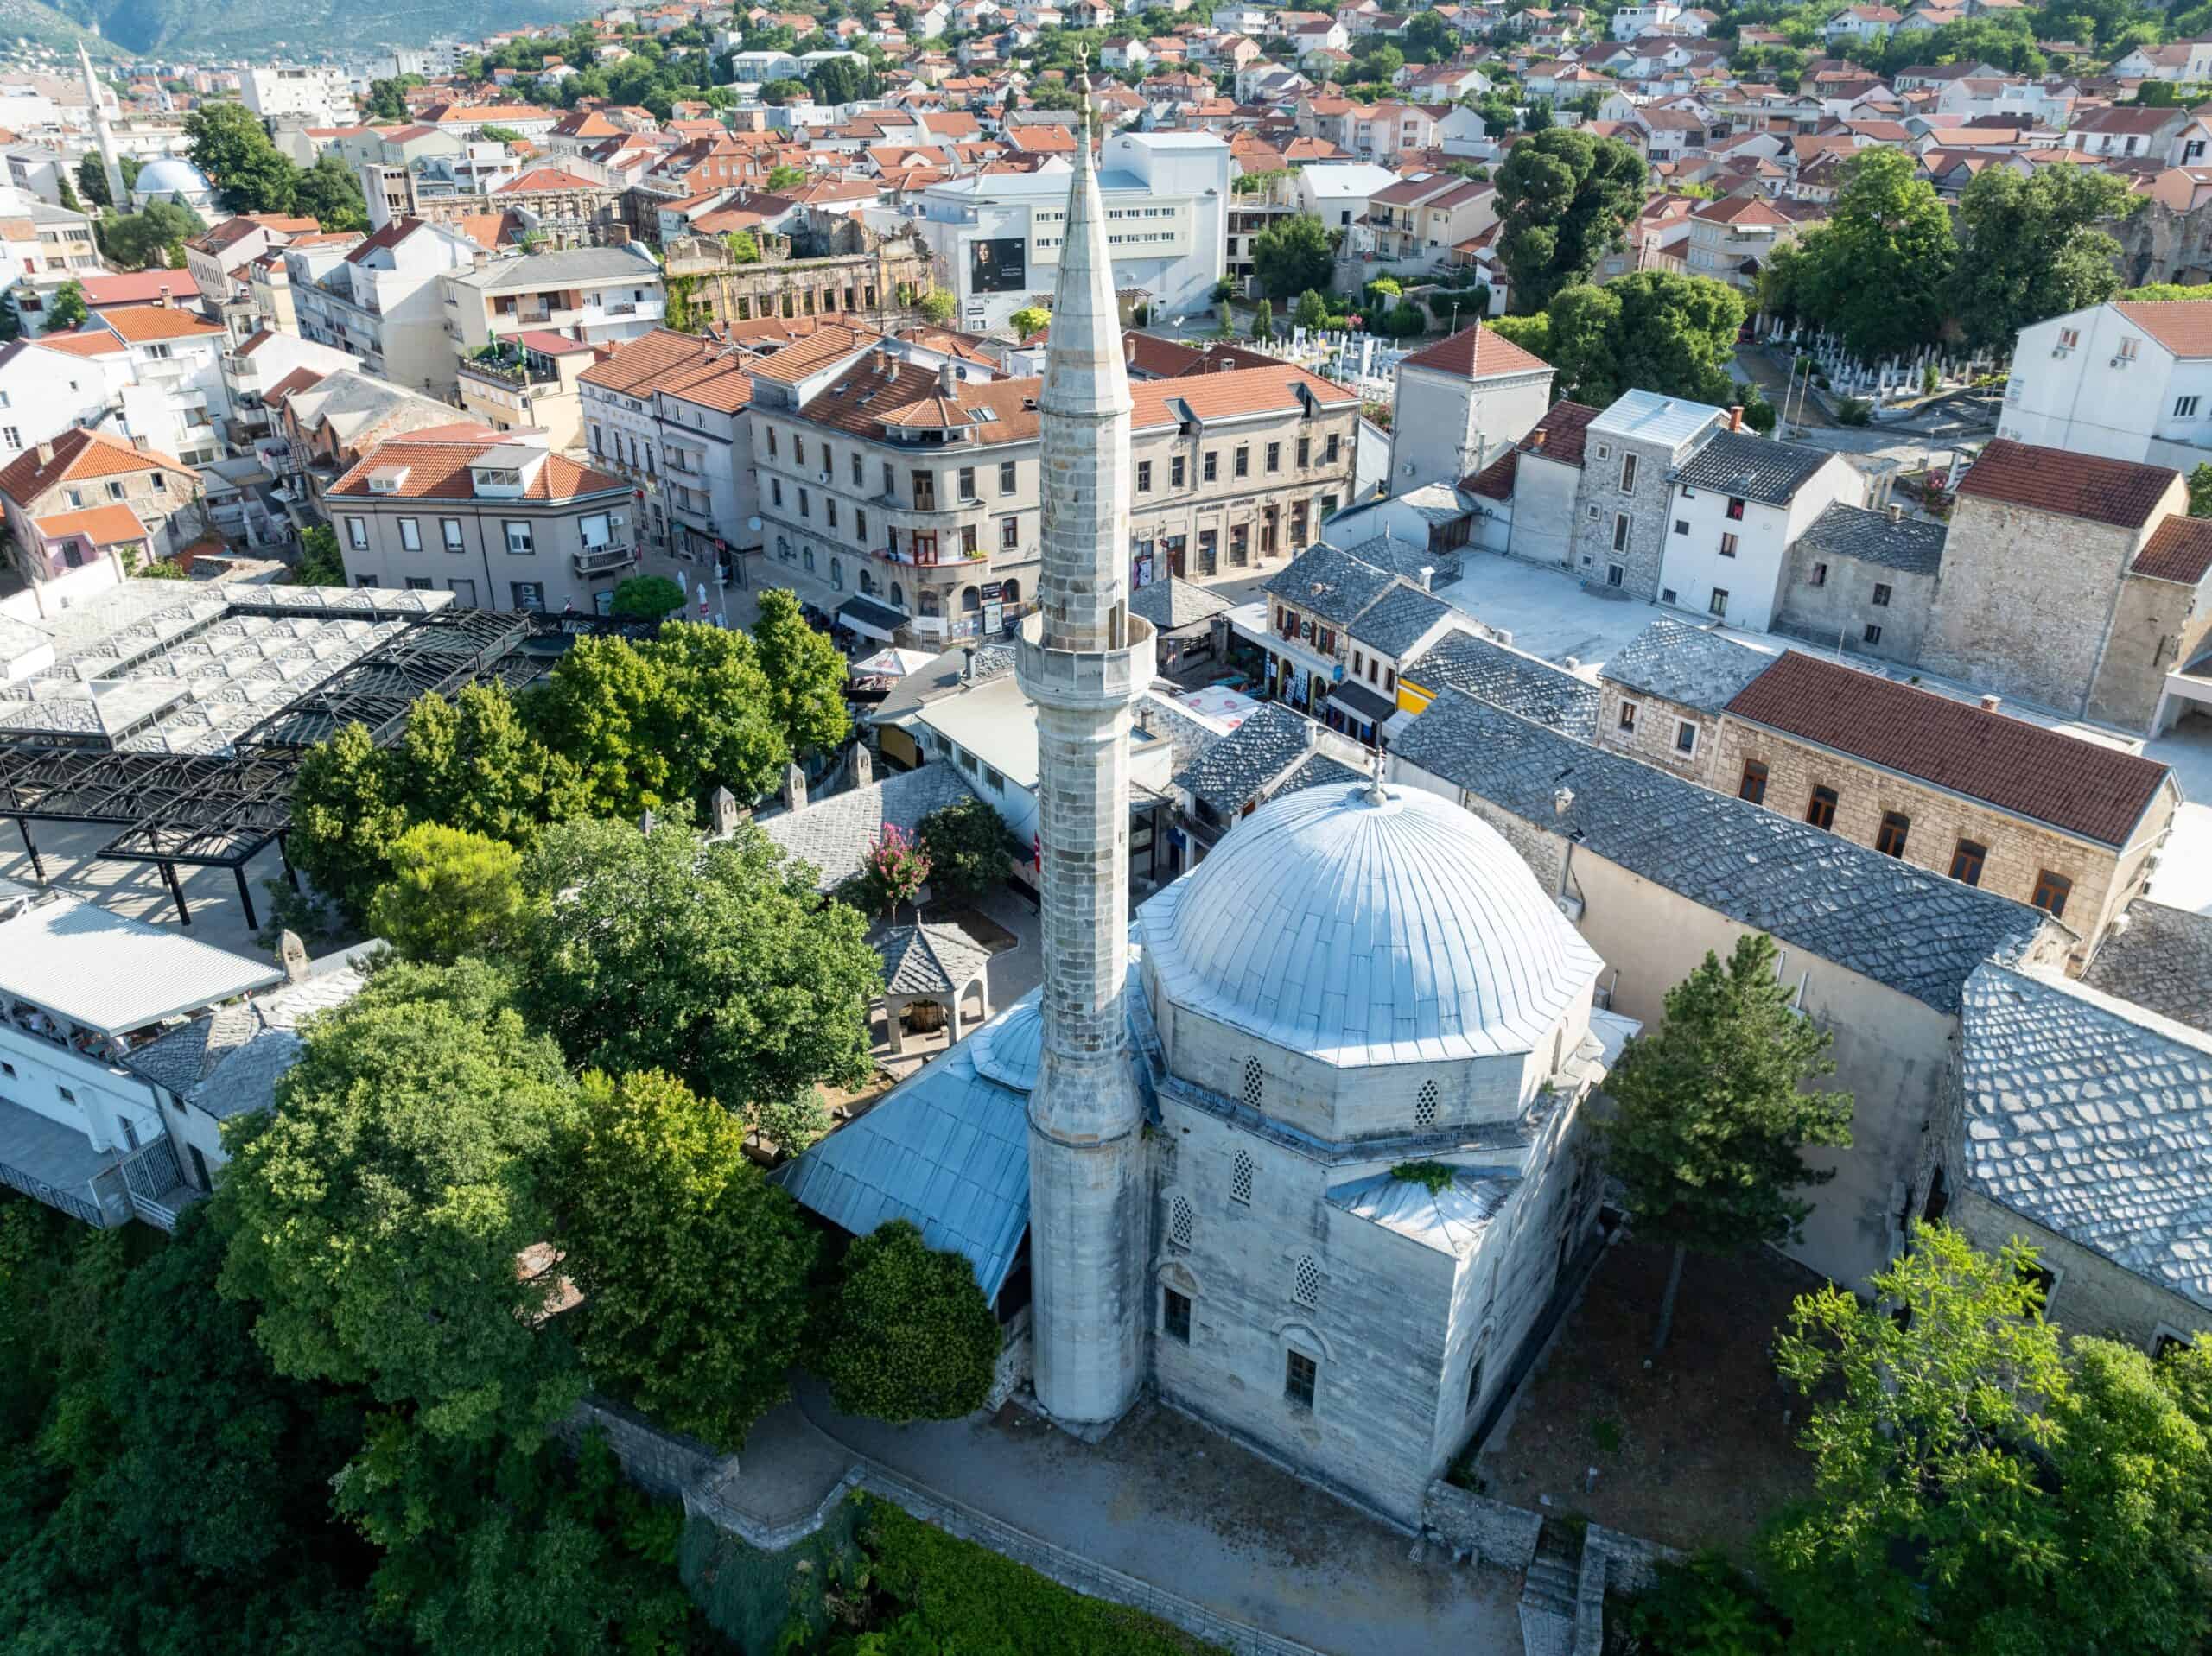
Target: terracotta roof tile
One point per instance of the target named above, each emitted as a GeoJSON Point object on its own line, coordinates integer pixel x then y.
{"type": "Point", "coordinates": [79, 453]}
{"type": "Point", "coordinates": [1475, 353]}
{"type": "Point", "coordinates": [1229, 393]}
{"type": "Point", "coordinates": [809, 355]}
{"type": "Point", "coordinates": [2179, 549]}
{"type": "Point", "coordinates": [439, 471]}
{"type": "Point", "coordinates": [2084, 788]}
{"type": "Point", "coordinates": [109, 525]}
{"type": "Point", "coordinates": [141, 324]}
{"type": "Point", "coordinates": [2119, 492]}
{"type": "Point", "coordinates": [2183, 325]}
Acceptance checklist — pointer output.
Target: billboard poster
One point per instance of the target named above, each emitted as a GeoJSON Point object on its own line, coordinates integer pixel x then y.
{"type": "Point", "coordinates": [998, 266]}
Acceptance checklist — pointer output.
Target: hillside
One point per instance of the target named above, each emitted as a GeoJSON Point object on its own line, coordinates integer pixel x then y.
{"type": "Point", "coordinates": [270, 26]}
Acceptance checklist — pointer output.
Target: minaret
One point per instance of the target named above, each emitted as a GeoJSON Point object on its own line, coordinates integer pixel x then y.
{"type": "Point", "coordinates": [1085, 660]}
{"type": "Point", "coordinates": [116, 194]}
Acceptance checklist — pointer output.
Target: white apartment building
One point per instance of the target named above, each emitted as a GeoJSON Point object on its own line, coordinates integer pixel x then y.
{"type": "Point", "coordinates": [600, 294]}
{"type": "Point", "coordinates": [997, 236]}
{"type": "Point", "coordinates": [1740, 502]}
{"type": "Point", "coordinates": [174, 397]}
{"type": "Point", "coordinates": [671, 413]}
{"type": "Point", "coordinates": [381, 302]}
{"type": "Point", "coordinates": [1337, 193]}
{"type": "Point", "coordinates": [2125, 380]}
{"type": "Point", "coordinates": [318, 96]}
{"type": "Point", "coordinates": [46, 388]}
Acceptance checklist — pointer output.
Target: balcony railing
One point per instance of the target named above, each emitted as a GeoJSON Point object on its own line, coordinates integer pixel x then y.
{"type": "Point", "coordinates": [604, 558]}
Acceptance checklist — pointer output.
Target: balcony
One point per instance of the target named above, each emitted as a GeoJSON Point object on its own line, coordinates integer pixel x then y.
{"type": "Point", "coordinates": [508, 368]}
{"type": "Point", "coordinates": [600, 560]}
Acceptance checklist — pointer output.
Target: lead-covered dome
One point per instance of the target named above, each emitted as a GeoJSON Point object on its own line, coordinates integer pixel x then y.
{"type": "Point", "coordinates": [170, 176]}
{"type": "Point", "coordinates": [1369, 926]}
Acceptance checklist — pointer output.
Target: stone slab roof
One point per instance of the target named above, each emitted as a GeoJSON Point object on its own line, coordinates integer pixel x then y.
{"type": "Point", "coordinates": [2161, 958]}
{"type": "Point", "coordinates": [1736, 463]}
{"type": "Point", "coordinates": [2092, 1117]}
{"type": "Point", "coordinates": [228, 1063]}
{"type": "Point", "coordinates": [1244, 762]}
{"type": "Point", "coordinates": [835, 833]}
{"type": "Point", "coordinates": [1330, 583]}
{"type": "Point", "coordinates": [934, 957]}
{"type": "Point", "coordinates": [1174, 603]}
{"type": "Point", "coordinates": [1915, 931]}
{"type": "Point", "coordinates": [1908, 545]}
{"type": "Point", "coordinates": [1521, 684]}
{"type": "Point", "coordinates": [1690, 666]}
{"type": "Point", "coordinates": [1399, 620]}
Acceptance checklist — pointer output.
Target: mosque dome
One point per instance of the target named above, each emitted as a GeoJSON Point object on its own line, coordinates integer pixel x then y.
{"type": "Point", "coordinates": [170, 176]}
{"type": "Point", "coordinates": [1008, 1049]}
{"type": "Point", "coordinates": [1367, 925]}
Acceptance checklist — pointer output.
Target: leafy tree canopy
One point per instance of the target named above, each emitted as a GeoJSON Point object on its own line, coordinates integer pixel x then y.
{"type": "Point", "coordinates": [806, 676]}
{"type": "Point", "coordinates": [1565, 198]}
{"type": "Point", "coordinates": [67, 310]}
{"type": "Point", "coordinates": [143, 240]}
{"type": "Point", "coordinates": [1879, 272]}
{"type": "Point", "coordinates": [910, 1336]}
{"type": "Point", "coordinates": [1294, 254]}
{"type": "Point", "coordinates": [1651, 330]}
{"type": "Point", "coordinates": [2030, 248]}
{"type": "Point", "coordinates": [647, 597]}
{"type": "Point", "coordinates": [451, 893]}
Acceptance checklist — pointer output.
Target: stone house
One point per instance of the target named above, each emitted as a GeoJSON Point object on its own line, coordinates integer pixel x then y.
{"type": "Point", "coordinates": [1656, 871]}
{"type": "Point", "coordinates": [77, 505]}
{"type": "Point", "coordinates": [1491, 671]}
{"type": "Point", "coordinates": [1524, 499]}
{"type": "Point", "coordinates": [2039, 535]}
{"type": "Point", "coordinates": [1862, 581]}
{"type": "Point", "coordinates": [1460, 402]}
{"type": "Point", "coordinates": [500, 523]}
{"type": "Point", "coordinates": [2099, 1162]}
{"type": "Point", "coordinates": [1340, 621]}
{"type": "Point", "coordinates": [1622, 509]}
{"type": "Point", "coordinates": [1662, 695]}
{"type": "Point", "coordinates": [1740, 502]}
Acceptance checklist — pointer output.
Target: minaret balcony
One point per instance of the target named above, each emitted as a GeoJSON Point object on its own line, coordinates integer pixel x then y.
{"type": "Point", "coordinates": [1085, 680]}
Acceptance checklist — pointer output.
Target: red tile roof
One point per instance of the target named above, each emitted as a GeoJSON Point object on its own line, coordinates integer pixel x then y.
{"type": "Point", "coordinates": [2183, 325]}
{"type": "Point", "coordinates": [78, 452]}
{"type": "Point", "coordinates": [1476, 352]}
{"type": "Point", "coordinates": [2179, 549]}
{"type": "Point", "coordinates": [2083, 787]}
{"type": "Point", "coordinates": [141, 324]}
{"type": "Point", "coordinates": [438, 470]}
{"type": "Point", "coordinates": [2121, 493]}
{"type": "Point", "coordinates": [1561, 434]}
{"type": "Point", "coordinates": [138, 286]}
{"type": "Point", "coordinates": [109, 525]}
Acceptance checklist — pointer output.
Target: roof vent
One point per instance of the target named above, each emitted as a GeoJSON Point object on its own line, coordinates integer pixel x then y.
{"type": "Point", "coordinates": [1989, 703]}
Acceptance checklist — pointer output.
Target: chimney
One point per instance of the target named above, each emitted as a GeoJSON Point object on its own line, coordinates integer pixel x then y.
{"type": "Point", "coordinates": [947, 378]}
{"type": "Point", "coordinates": [794, 788]}
{"type": "Point", "coordinates": [1536, 437]}
{"type": "Point", "coordinates": [1736, 416]}
{"type": "Point", "coordinates": [143, 445]}
{"type": "Point", "coordinates": [162, 298]}
{"type": "Point", "coordinates": [480, 258]}
{"type": "Point", "coordinates": [1897, 513]}
{"type": "Point", "coordinates": [46, 454]}
{"type": "Point", "coordinates": [1426, 574]}
{"type": "Point", "coordinates": [1128, 348]}
{"type": "Point", "coordinates": [292, 955]}
{"type": "Point", "coordinates": [1989, 703]}
{"type": "Point", "coordinates": [722, 811]}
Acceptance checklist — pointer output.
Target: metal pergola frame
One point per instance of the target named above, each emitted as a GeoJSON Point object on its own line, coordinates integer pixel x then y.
{"type": "Point", "coordinates": [222, 810]}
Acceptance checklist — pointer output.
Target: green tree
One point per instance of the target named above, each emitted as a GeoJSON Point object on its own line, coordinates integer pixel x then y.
{"type": "Point", "coordinates": [1313, 311]}
{"type": "Point", "coordinates": [658, 724]}
{"type": "Point", "coordinates": [451, 893]}
{"type": "Point", "coordinates": [2030, 248]}
{"type": "Point", "coordinates": [1263, 321]}
{"type": "Point", "coordinates": [1712, 1116]}
{"type": "Point", "coordinates": [910, 1336]}
{"type": "Point", "coordinates": [387, 99]}
{"type": "Point", "coordinates": [1878, 273]}
{"type": "Point", "coordinates": [786, 178]}
{"type": "Point", "coordinates": [1537, 117]}
{"type": "Point", "coordinates": [1651, 330]}
{"type": "Point", "coordinates": [2049, 1495]}
{"type": "Point", "coordinates": [1564, 199]}
{"type": "Point", "coordinates": [938, 304]}
{"type": "Point", "coordinates": [1532, 333]}
{"type": "Point", "coordinates": [66, 311]}
{"type": "Point", "coordinates": [712, 960]}
{"type": "Point", "coordinates": [741, 247]}
{"type": "Point", "coordinates": [498, 134]}
{"type": "Point", "coordinates": [320, 562]}
{"type": "Point", "coordinates": [380, 1213]}
{"type": "Point", "coordinates": [142, 240]}
{"type": "Point", "coordinates": [780, 92]}
{"type": "Point", "coordinates": [1030, 320]}
{"type": "Point", "coordinates": [471, 763]}
{"type": "Point", "coordinates": [661, 1212]}
{"type": "Point", "coordinates": [647, 597]}
{"type": "Point", "coordinates": [1294, 254]}
{"type": "Point", "coordinates": [345, 821]}
{"type": "Point", "coordinates": [806, 676]}
{"type": "Point", "coordinates": [969, 847]}
{"type": "Point", "coordinates": [92, 181]}
{"type": "Point", "coordinates": [2200, 490]}
{"type": "Point", "coordinates": [330, 194]}
{"type": "Point", "coordinates": [67, 192]}
{"type": "Point", "coordinates": [228, 143]}
{"type": "Point", "coordinates": [837, 81]}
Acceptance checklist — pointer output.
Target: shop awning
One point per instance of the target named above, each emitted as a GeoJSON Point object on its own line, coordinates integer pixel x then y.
{"type": "Point", "coordinates": [871, 619]}
{"type": "Point", "coordinates": [1369, 706]}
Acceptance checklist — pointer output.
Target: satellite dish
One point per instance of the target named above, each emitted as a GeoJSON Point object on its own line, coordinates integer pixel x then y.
{"type": "Point", "coordinates": [752, 524]}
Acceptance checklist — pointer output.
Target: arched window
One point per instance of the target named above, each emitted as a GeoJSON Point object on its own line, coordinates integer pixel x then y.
{"type": "Point", "coordinates": [1425, 1105]}
{"type": "Point", "coordinates": [971, 599]}
{"type": "Point", "coordinates": [1254, 1084]}
{"type": "Point", "coordinates": [837, 574]}
{"type": "Point", "coordinates": [806, 557]}
{"type": "Point", "coordinates": [1180, 1219]}
{"type": "Point", "coordinates": [1306, 1281]}
{"type": "Point", "coordinates": [1010, 592]}
{"type": "Point", "coordinates": [867, 581]}
{"type": "Point", "coordinates": [784, 549]}
{"type": "Point", "coordinates": [929, 600]}
{"type": "Point", "coordinates": [1240, 1178]}
{"type": "Point", "coordinates": [898, 595]}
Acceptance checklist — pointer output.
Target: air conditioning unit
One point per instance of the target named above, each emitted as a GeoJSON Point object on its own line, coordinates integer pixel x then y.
{"type": "Point", "coordinates": [2056, 351]}
{"type": "Point", "coordinates": [2117, 362]}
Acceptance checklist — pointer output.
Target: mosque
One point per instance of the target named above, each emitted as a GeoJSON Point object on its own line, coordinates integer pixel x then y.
{"type": "Point", "coordinates": [1303, 1149]}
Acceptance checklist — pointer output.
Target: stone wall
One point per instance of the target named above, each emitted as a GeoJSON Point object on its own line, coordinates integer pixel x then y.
{"type": "Point", "coordinates": [1486, 1529]}
{"type": "Point", "coordinates": [1611, 1562]}
{"type": "Point", "coordinates": [1840, 608]}
{"type": "Point", "coordinates": [2157, 627]}
{"type": "Point", "coordinates": [663, 1463]}
{"type": "Point", "coordinates": [1652, 739]}
{"type": "Point", "coordinates": [1648, 504]}
{"type": "Point", "coordinates": [1012, 1371]}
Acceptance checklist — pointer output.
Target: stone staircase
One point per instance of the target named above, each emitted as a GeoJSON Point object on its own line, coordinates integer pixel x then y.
{"type": "Point", "coordinates": [1548, 1592]}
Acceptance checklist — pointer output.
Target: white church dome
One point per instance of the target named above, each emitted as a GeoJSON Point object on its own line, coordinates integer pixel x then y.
{"type": "Point", "coordinates": [1367, 927]}
{"type": "Point", "coordinates": [170, 176]}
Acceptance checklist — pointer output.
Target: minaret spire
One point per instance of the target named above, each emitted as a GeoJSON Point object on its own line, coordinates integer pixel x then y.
{"type": "Point", "coordinates": [1085, 661]}
{"type": "Point", "coordinates": [118, 196]}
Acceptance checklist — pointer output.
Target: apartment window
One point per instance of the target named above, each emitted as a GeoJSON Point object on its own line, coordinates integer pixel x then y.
{"type": "Point", "coordinates": [1628, 473]}
{"type": "Point", "coordinates": [890, 483]}
{"type": "Point", "coordinates": [1872, 634]}
{"type": "Point", "coordinates": [528, 594]}
{"type": "Point", "coordinates": [11, 437]}
{"type": "Point", "coordinates": [805, 505]}
{"type": "Point", "coordinates": [1175, 471]}
{"type": "Point", "coordinates": [365, 581]}
{"type": "Point", "coordinates": [1727, 546]}
{"type": "Point", "coordinates": [859, 471]}
{"type": "Point", "coordinates": [1753, 786]}
{"type": "Point", "coordinates": [1881, 595]}
{"type": "Point", "coordinates": [520, 539]}
{"type": "Point", "coordinates": [1299, 1372]}
{"type": "Point", "coordinates": [1735, 509]}
{"type": "Point", "coordinates": [450, 529]}
{"type": "Point", "coordinates": [357, 534]}
{"type": "Point", "coordinates": [1275, 457]}
{"type": "Point", "coordinates": [1681, 526]}
{"type": "Point", "coordinates": [1718, 604]}
{"type": "Point", "coordinates": [771, 442]}
{"type": "Point", "coordinates": [968, 539]}
{"type": "Point", "coordinates": [860, 526]}
{"type": "Point", "coordinates": [2051, 892]}
{"type": "Point", "coordinates": [1684, 738]}
{"type": "Point", "coordinates": [1967, 859]}
{"type": "Point", "coordinates": [115, 490]}
{"type": "Point", "coordinates": [418, 583]}
{"type": "Point", "coordinates": [1890, 841]}
{"type": "Point", "coordinates": [2068, 338]}
{"type": "Point", "coordinates": [1628, 717]}
{"type": "Point", "coordinates": [1331, 449]}
{"type": "Point", "coordinates": [1175, 1315]}
{"type": "Point", "coordinates": [1243, 468]}
{"type": "Point", "coordinates": [1006, 477]}
{"type": "Point", "coordinates": [410, 534]}
{"type": "Point", "coordinates": [1144, 477]}
{"type": "Point", "coordinates": [1620, 531]}
{"type": "Point", "coordinates": [2127, 349]}
{"type": "Point", "coordinates": [1009, 533]}
{"type": "Point", "coordinates": [1616, 575]}
{"type": "Point", "coordinates": [2184, 408]}
{"type": "Point", "coordinates": [1821, 812]}
{"type": "Point", "coordinates": [1210, 466]}
{"type": "Point", "coordinates": [1819, 577]}
{"type": "Point", "coordinates": [1304, 453]}
{"type": "Point", "coordinates": [829, 510]}
{"type": "Point", "coordinates": [966, 483]}
{"type": "Point", "coordinates": [829, 459]}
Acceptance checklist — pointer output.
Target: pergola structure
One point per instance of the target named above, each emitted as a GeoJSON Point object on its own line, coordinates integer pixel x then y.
{"type": "Point", "coordinates": [219, 808]}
